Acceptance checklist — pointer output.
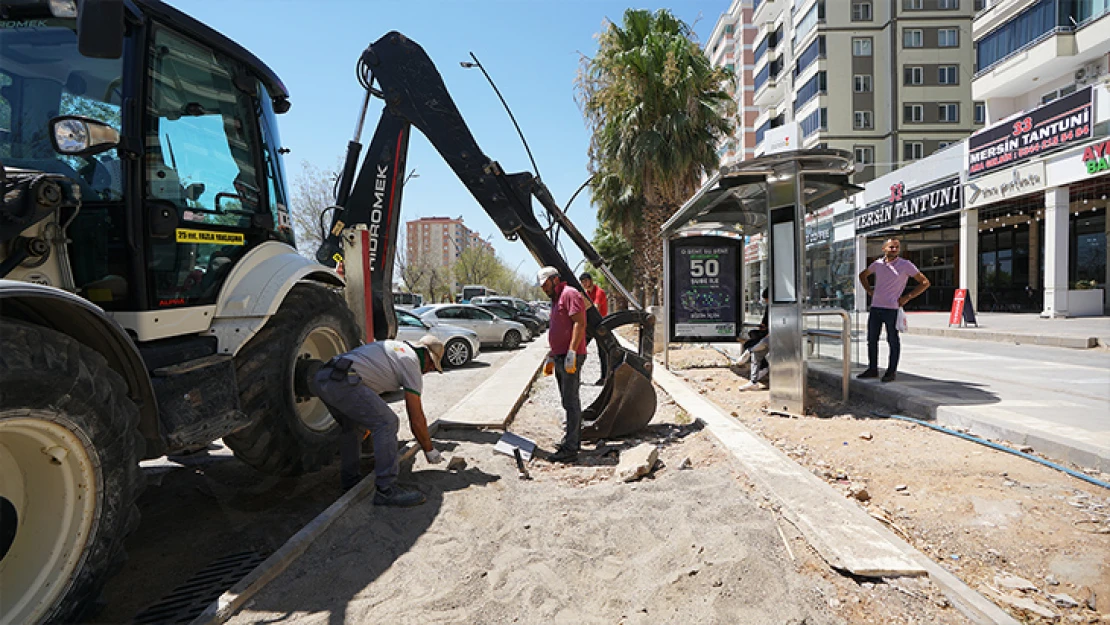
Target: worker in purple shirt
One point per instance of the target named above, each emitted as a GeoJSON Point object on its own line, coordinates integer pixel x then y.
{"type": "Point", "coordinates": [891, 275]}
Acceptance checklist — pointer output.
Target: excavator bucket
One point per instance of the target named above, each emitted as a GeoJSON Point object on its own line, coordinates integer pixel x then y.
{"type": "Point", "coordinates": [627, 401]}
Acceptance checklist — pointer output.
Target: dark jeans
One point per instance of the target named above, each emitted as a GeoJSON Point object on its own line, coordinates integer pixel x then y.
{"type": "Point", "coordinates": [878, 318]}
{"type": "Point", "coordinates": [572, 403]}
{"type": "Point", "coordinates": [358, 408]}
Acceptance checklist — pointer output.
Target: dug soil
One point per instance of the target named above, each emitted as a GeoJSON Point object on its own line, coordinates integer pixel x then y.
{"type": "Point", "coordinates": [1034, 540]}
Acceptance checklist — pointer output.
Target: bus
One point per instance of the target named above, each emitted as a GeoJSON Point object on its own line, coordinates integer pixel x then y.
{"type": "Point", "coordinates": [408, 300]}
{"type": "Point", "coordinates": [471, 291]}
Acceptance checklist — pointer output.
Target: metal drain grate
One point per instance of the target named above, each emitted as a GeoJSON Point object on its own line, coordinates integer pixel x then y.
{"type": "Point", "coordinates": [188, 600]}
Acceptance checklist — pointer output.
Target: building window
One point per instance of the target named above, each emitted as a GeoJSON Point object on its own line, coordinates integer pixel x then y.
{"type": "Point", "coordinates": [980, 113]}
{"type": "Point", "coordinates": [943, 144]}
{"type": "Point", "coordinates": [861, 46]}
{"type": "Point", "coordinates": [948, 75]}
{"type": "Point", "coordinates": [863, 83]}
{"type": "Point", "coordinates": [948, 5]}
{"type": "Point", "coordinates": [817, 120]}
{"type": "Point", "coordinates": [948, 38]}
{"type": "Point", "coordinates": [862, 120]}
{"type": "Point", "coordinates": [861, 11]}
{"type": "Point", "coordinates": [949, 112]}
{"type": "Point", "coordinates": [912, 38]}
{"type": "Point", "coordinates": [914, 5]}
{"type": "Point", "coordinates": [912, 150]}
{"type": "Point", "coordinates": [865, 155]}
{"type": "Point", "coordinates": [913, 75]}
{"type": "Point", "coordinates": [980, 5]}
{"type": "Point", "coordinates": [913, 113]}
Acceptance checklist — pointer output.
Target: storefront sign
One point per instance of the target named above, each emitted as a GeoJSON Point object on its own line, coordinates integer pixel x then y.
{"type": "Point", "coordinates": [1045, 129]}
{"type": "Point", "coordinates": [963, 311]}
{"type": "Point", "coordinates": [1003, 185]}
{"type": "Point", "coordinates": [1096, 158]}
{"type": "Point", "coordinates": [902, 207]}
{"type": "Point", "coordinates": [705, 289]}
{"type": "Point", "coordinates": [781, 139]}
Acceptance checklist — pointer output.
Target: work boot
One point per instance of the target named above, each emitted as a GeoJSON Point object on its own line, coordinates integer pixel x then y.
{"type": "Point", "coordinates": [870, 373]}
{"type": "Point", "coordinates": [565, 455]}
{"type": "Point", "coordinates": [396, 496]}
{"type": "Point", "coordinates": [889, 376]}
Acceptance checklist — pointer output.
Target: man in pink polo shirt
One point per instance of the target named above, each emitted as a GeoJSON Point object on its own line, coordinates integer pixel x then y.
{"type": "Point", "coordinates": [567, 338]}
{"type": "Point", "coordinates": [891, 275]}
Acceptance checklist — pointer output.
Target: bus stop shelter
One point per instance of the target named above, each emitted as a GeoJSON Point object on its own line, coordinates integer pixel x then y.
{"type": "Point", "coordinates": [771, 194]}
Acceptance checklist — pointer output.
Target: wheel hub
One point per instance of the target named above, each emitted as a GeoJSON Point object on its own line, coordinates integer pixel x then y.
{"type": "Point", "coordinates": [321, 344]}
{"type": "Point", "coordinates": [49, 495]}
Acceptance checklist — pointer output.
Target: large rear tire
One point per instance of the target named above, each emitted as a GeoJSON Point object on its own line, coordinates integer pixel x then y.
{"type": "Point", "coordinates": [290, 435]}
{"type": "Point", "coordinates": [69, 474]}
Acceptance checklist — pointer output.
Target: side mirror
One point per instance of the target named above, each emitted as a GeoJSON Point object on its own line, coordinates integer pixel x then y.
{"type": "Point", "coordinates": [194, 191]}
{"type": "Point", "coordinates": [100, 28]}
{"type": "Point", "coordinates": [74, 135]}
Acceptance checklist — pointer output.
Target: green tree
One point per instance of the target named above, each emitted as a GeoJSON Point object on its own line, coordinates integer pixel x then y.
{"type": "Point", "coordinates": [478, 264]}
{"type": "Point", "coordinates": [657, 109]}
{"type": "Point", "coordinates": [617, 252]}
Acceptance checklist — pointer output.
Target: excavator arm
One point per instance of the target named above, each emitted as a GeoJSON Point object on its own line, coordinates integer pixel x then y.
{"type": "Point", "coordinates": [368, 203]}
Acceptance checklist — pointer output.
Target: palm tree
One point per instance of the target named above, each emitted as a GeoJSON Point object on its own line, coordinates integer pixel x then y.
{"type": "Point", "coordinates": [657, 109]}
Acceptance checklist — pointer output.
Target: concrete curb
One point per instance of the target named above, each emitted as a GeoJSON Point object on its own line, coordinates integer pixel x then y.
{"type": "Point", "coordinates": [821, 508]}
{"type": "Point", "coordinates": [231, 601]}
{"type": "Point", "coordinates": [489, 405]}
{"type": "Point", "coordinates": [918, 404]}
{"type": "Point", "coordinates": [975, 334]}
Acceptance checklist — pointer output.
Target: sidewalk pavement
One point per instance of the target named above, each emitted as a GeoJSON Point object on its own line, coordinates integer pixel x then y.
{"type": "Point", "coordinates": [1007, 379]}
{"type": "Point", "coordinates": [1074, 332]}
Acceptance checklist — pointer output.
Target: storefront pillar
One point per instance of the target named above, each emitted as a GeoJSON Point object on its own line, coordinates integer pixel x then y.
{"type": "Point", "coordinates": [1056, 205]}
{"type": "Point", "coordinates": [861, 264]}
{"type": "Point", "coordinates": [969, 253]}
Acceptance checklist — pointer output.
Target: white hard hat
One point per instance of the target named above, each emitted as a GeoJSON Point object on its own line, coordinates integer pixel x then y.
{"type": "Point", "coordinates": [545, 274]}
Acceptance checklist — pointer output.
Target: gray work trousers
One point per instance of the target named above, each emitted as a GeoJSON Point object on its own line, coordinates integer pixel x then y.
{"type": "Point", "coordinates": [572, 403]}
{"type": "Point", "coordinates": [358, 408]}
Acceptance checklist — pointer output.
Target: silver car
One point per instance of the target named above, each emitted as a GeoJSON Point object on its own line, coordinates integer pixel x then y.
{"type": "Point", "coordinates": [460, 345]}
{"type": "Point", "coordinates": [492, 330]}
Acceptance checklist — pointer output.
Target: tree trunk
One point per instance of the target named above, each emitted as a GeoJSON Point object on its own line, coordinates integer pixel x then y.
{"type": "Point", "coordinates": [647, 254]}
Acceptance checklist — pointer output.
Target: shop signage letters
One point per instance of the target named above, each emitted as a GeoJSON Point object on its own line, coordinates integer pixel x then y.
{"type": "Point", "coordinates": [904, 207]}
{"type": "Point", "coordinates": [1045, 129]}
{"type": "Point", "coordinates": [1019, 181]}
{"type": "Point", "coordinates": [1097, 157]}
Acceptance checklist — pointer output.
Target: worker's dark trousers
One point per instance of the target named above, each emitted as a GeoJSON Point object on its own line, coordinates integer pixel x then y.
{"type": "Point", "coordinates": [358, 408]}
{"type": "Point", "coordinates": [572, 403]}
{"type": "Point", "coordinates": [876, 319]}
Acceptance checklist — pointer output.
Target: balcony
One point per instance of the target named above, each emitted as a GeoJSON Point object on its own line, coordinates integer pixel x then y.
{"type": "Point", "coordinates": [1015, 48]}
{"type": "Point", "coordinates": [767, 10]}
{"type": "Point", "coordinates": [769, 84]}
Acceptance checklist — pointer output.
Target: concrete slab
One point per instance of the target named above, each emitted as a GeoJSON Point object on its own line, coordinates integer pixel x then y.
{"type": "Point", "coordinates": [493, 402]}
{"type": "Point", "coordinates": [845, 536]}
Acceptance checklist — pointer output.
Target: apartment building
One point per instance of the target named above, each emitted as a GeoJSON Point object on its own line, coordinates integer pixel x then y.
{"type": "Point", "coordinates": [440, 240]}
{"type": "Point", "coordinates": [888, 80]}
{"type": "Point", "coordinates": [1037, 178]}
{"type": "Point", "coordinates": [1016, 213]}
{"type": "Point", "coordinates": [731, 45]}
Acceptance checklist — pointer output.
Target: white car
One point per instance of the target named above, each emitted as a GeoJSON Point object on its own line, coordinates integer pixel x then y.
{"type": "Point", "coordinates": [460, 345]}
{"type": "Point", "coordinates": [491, 330]}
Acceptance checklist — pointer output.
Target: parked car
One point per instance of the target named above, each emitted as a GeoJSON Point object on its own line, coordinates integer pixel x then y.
{"type": "Point", "coordinates": [491, 329]}
{"type": "Point", "coordinates": [520, 305]}
{"type": "Point", "coordinates": [460, 345]}
{"type": "Point", "coordinates": [529, 320]}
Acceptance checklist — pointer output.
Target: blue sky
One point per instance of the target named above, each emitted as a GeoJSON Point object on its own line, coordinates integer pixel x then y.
{"type": "Point", "coordinates": [531, 48]}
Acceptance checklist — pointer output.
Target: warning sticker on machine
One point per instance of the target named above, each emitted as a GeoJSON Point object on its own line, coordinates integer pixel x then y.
{"type": "Point", "coordinates": [208, 236]}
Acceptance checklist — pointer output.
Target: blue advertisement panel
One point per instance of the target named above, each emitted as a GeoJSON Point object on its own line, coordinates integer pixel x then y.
{"type": "Point", "coordinates": [705, 289]}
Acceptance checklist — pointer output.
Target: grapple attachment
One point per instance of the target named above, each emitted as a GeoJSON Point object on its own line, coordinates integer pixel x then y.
{"type": "Point", "coordinates": [627, 401]}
